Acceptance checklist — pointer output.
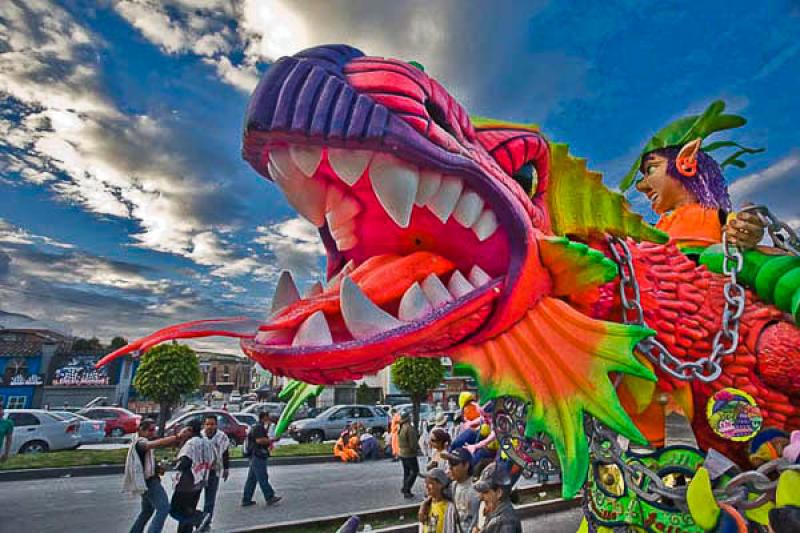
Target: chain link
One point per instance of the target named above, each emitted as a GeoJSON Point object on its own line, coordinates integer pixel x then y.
{"type": "Point", "coordinates": [726, 340]}
{"type": "Point", "coordinates": [782, 235]}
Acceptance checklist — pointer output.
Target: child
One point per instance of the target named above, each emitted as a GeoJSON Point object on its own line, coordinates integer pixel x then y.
{"type": "Point", "coordinates": [439, 441]}
{"type": "Point", "coordinates": [437, 514]}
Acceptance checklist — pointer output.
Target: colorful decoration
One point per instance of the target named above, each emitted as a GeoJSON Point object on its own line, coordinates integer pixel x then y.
{"type": "Point", "coordinates": [446, 235]}
{"type": "Point", "coordinates": [734, 415]}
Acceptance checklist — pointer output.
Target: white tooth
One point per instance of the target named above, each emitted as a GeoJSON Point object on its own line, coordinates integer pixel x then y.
{"type": "Point", "coordinates": [362, 317]}
{"type": "Point", "coordinates": [478, 276]}
{"type": "Point", "coordinates": [306, 195]}
{"type": "Point", "coordinates": [343, 230]}
{"type": "Point", "coordinates": [468, 208]}
{"type": "Point", "coordinates": [445, 199]}
{"type": "Point", "coordinates": [429, 182]}
{"type": "Point", "coordinates": [340, 210]}
{"type": "Point", "coordinates": [435, 291]}
{"type": "Point", "coordinates": [346, 269]}
{"type": "Point", "coordinates": [346, 242]}
{"type": "Point", "coordinates": [349, 165]}
{"type": "Point", "coordinates": [459, 285]}
{"type": "Point", "coordinates": [486, 225]}
{"type": "Point", "coordinates": [395, 185]}
{"type": "Point", "coordinates": [313, 332]}
{"type": "Point", "coordinates": [315, 289]}
{"type": "Point", "coordinates": [285, 292]}
{"type": "Point", "coordinates": [306, 158]}
{"type": "Point", "coordinates": [414, 304]}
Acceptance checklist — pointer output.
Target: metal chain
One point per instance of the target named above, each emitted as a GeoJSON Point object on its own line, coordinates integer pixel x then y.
{"type": "Point", "coordinates": [726, 341]}
{"type": "Point", "coordinates": [783, 236]}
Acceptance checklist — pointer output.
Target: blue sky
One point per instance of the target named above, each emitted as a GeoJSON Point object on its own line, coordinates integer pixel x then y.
{"type": "Point", "coordinates": [125, 204]}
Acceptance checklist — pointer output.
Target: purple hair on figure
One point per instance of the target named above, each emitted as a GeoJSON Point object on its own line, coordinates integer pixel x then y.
{"type": "Point", "coordinates": [708, 185]}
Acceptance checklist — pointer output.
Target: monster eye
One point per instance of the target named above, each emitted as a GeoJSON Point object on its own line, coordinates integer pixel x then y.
{"type": "Point", "coordinates": [527, 178]}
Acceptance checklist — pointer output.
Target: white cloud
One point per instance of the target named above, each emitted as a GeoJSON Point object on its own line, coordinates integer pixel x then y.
{"type": "Point", "coordinates": [296, 245]}
{"type": "Point", "coordinates": [777, 187]}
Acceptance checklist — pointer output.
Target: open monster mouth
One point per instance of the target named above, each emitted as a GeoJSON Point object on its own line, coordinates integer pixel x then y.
{"type": "Point", "coordinates": [415, 259]}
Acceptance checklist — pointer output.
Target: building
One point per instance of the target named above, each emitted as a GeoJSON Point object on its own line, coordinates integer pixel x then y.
{"type": "Point", "coordinates": [25, 359]}
{"type": "Point", "coordinates": [225, 373]}
{"type": "Point", "coordinates": [73, 381]}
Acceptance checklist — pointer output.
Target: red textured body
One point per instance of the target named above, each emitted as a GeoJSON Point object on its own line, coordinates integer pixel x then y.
{"type": "Point", "coordinates": [684, 302]}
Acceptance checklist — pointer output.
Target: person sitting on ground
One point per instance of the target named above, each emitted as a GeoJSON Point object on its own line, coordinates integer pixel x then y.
{"type": "Point", "coordinates": [354, 444]}
{"type": "Point", "coordinates": [369, 446]}
{"type": "Point", "coordinates": [465, 497]}
{"type": "Point", "coordinates": [439, 443]}
{"type": "Point", "coordinates": [342, 449]}
{"type": "Point", "coordinates": [494, 487]}
{"type": "Point", "coordinates": [437, 514]}
{"type": "Point", "coordinates": [195, 461]}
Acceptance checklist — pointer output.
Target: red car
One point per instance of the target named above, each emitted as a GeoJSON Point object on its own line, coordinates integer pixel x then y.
{"type": "Point", "coordinates": [226, 423]}
{"type": "Point", "coordinates": [118, 421]}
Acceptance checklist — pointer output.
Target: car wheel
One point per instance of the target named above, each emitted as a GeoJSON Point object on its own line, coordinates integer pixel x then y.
{"type": "Point", "coordinates": [34, 446]}
{"type": "Point", "coordinates": [316, 436]}
{"type": "Point", "coordinates": [117, 432]}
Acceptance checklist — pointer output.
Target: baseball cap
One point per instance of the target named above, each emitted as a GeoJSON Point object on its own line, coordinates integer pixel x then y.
{"type": "Point", "coordinates": [458, 456]}
{"type": "Point", "coordinates": [437, 474]}
{"type": "Point", "coordinates": [492, 477]}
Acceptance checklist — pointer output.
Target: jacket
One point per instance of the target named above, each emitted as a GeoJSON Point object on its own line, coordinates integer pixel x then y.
{"type": "Point", "coordinates": [407, 440]}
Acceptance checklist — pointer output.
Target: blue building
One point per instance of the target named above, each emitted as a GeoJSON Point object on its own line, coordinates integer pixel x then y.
{"type": "Point", "coordinates": [25, 358]}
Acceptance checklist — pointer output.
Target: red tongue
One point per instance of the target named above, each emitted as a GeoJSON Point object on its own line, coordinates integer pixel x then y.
{"type": "Point", "coordinates": [383, 278]}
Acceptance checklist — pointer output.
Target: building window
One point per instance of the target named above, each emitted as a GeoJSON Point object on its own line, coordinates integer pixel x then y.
{"type": "Point", "coordinates": [17, 402]}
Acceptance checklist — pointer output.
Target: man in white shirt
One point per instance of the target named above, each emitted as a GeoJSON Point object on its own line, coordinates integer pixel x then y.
{"type": "Point", "coordinates": [221, 445]}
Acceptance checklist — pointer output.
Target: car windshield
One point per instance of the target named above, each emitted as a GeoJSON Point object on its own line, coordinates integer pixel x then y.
{"type": "Point", "coordinates": [330, 410]}
{"type": "Point", "coordinates": [66, 415]}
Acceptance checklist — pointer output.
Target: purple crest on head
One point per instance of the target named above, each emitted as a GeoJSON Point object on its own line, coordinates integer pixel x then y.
{"type": "Point", "coordinates": [708, 185]}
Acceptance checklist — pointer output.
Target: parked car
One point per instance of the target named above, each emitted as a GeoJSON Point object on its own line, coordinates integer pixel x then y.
{"type": "Point", "coordinates": [90, 431]}
{"type": "Point", "coordinates": [332, 421]}
{"type": "Point", "coordinates": [118, 421]}
{"type": "Point", "coordinates": [248, 419]}
{"type": "Point", "coordinates": [273, 408]}
{"type": "Point", "coordinates": [426, 412]}
{"type": "Point", "coordinates": [226, 422]}
{"type": "Point", "coordinates": [36, 431]}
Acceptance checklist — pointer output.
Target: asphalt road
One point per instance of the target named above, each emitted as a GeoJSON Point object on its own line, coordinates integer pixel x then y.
{"type": "Point", "coordinates": [309, 491]}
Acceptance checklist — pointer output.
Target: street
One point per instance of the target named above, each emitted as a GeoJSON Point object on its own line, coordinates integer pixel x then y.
{"type": "Point", "coordinates": [96, 503]}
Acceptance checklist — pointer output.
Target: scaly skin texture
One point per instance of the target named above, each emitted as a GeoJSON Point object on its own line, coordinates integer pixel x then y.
{"type": "Point", "coordinates": [683, 302]}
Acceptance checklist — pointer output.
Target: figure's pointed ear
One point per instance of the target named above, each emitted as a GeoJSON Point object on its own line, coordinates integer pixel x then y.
{"type": "Point", "coordinates": [686, 162]}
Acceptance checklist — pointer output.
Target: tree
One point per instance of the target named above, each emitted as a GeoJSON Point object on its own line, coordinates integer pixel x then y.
{"type": "Point", "coordinates": [87, 345]}
{"type": "Point", "coordinates": [366, 394]}
{"type": "Point", "coordinates": [416, 376]}
{"type": "Point", "coordinates": [166, 373]}
{"type": "Point", "coordinates": [117, 342]}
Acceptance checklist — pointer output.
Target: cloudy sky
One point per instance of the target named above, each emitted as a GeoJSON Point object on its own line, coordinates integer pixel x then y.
{"type": "Point", "coordinates": [125, 204]}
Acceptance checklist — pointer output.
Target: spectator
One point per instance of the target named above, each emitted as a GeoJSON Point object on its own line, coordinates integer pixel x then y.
{"type": "Point", "coordinates": [439, 442]}
{"type": "Point", "coordinates": [260, 444]}
{"type": "Point", "coordinates": [143, 477]}
{"type": "Point", "coordinates": [437, 514]}
{"type": "Point", "coordinates": [6, 433]}
{"type": "Point", "coordinates": [343, 449]}
{"type": "Point", "coordinates": [494, 487]}
{"type": "Point", "coordinates": [408, 449]}
{"type": "Point", "coordinates": [195, 460]}
{"type": "Point", "coordinates": [220, 445]}
{"type": "Point", "coordinates": [394, 434]}
{"type": "Point", "coordinates": [369, 445]}
{"type": "Point", "coordinates": [465, 497]}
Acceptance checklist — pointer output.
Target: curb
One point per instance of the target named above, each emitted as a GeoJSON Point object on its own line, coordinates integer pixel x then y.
{"type": "Point", "coordinates": [28, 474]}
{"type": "Point", "coordinates": [524, 511]}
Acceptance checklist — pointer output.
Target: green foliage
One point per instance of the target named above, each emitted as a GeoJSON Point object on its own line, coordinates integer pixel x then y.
{"type": "Point", "coordinates": [167, 372]}
{"type": "Point", "coordinates": [117, 342]}
{"type": "Point", "coordinates": [417, 375]}
{"type": "Point", "coordinates": [366, 394]}
{"type": "Point", "coordinates": [87, 345]}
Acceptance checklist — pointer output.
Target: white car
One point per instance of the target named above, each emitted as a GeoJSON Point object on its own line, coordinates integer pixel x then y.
{"type": "Point", "coordinates": [36, 431]}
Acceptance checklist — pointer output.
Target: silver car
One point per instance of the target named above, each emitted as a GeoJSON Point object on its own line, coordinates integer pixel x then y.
{"type": "Point", "coordinates": [90, 431]}
{"type": "Point", "coordinates": [38, 431]}
{"type": "Point", "coordinates": [331, 422]}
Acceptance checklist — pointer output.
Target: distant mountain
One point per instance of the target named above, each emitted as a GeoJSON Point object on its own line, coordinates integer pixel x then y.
{"type": "Point", "coordinates": [19, 320]}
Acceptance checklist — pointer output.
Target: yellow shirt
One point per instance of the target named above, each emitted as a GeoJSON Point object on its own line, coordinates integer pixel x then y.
{"type": "Point", "coordinates": [435, 522]}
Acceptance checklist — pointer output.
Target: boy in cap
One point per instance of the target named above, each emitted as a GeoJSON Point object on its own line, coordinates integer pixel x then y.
{"type": "Point", "coordinates": [465, 497]}
{"type": "Point", "coordinates": [437, 514]}
{"type": "Point", "coordinates": [494, 486]}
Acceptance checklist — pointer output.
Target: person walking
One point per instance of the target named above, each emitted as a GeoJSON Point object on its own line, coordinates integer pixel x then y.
{"type": "Point", "coordinates": [6, 434]}
{"type": "Point", "coordinates": [408, 449]}
{"type": "Point", "coordinates": [494, 487]}
{"type": "Point", "coordinates": [259, 444]}
{"type": "Point", "coordinates": [220, 444]}
{"type": "Point", "coordinates": [195, 460]}
{"type": "Point", "coordinates": [143, 477]}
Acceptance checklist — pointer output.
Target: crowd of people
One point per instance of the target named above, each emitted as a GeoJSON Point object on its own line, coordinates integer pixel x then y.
{"type": "Point", "coordinates": [356, 444]}
{"type": "Point", "coordinates": [202, 461]}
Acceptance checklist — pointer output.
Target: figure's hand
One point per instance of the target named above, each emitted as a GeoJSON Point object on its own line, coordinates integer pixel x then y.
{"type": "Point", "coordinates": [745, 229]}
{"type": "Point", "coordinates": [225, 475]}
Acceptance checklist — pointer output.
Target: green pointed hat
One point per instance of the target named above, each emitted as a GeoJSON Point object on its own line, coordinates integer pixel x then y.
{"type": "Point", "coordinates": [693, 127]}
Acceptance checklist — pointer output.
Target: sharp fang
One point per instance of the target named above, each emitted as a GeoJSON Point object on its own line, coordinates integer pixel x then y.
{"type": "Point", "coordinates": [468, 209]}
{"type": "Point", "coordinates": [395, 185]}
{"type": "Point", "coordinates": [478, 276]}
{"type": "Point", "coordinates": [315, 289]}
{"type": "Point", "coordinates": [306, 158]}
{"type": "Point", "coordinates": [435, 291]}
{"type": "Point", "coordinates": [459, 285]}
{"type": "Point", "coordinates": [414, 304]}
{"type": "Point", "coordinates": [313, 332]}
{"type": "Point", "coordinates": [346, 269]}
{"type": "Point", "coordinates": [342, 211]}
{"type": "Point", "coordinates": [362, 317]}
{"type": "Point", "coordinates": [286, 292]}
{"type": "Point", "coordinates": [445, 199]}
{"type": "Point", "coordinates": [429, 182]}
{"type": "Point", "coordinates": [349, 165]}
{"type": "Point", "coordinates": [346, 242]}
{"type": "Point", "coordinates": [343, 230]}
{"type": "Point", "coordinates": [307, 196]}
{"type": "Point", "coordinates": [486, 225]}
